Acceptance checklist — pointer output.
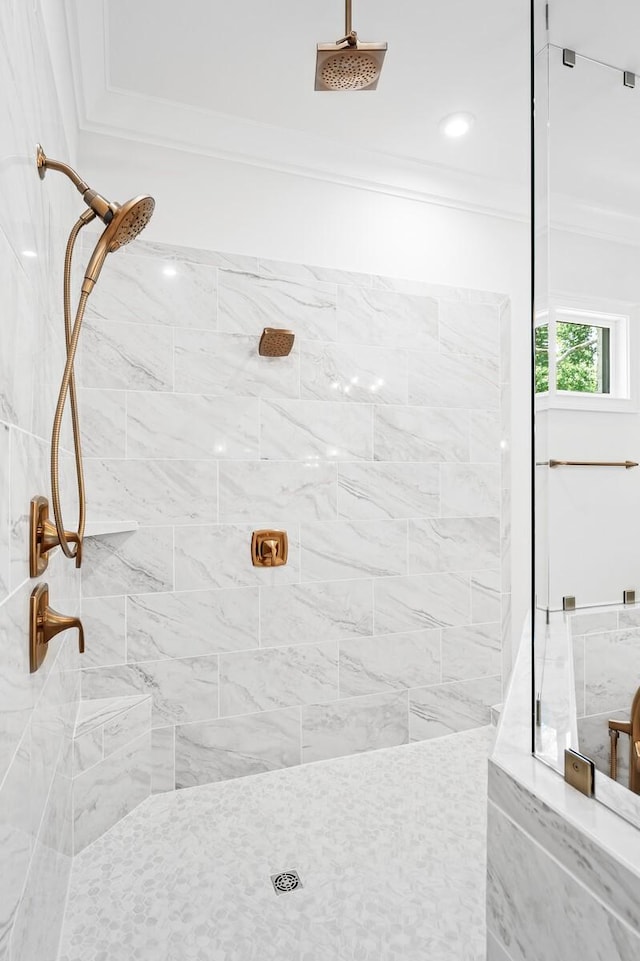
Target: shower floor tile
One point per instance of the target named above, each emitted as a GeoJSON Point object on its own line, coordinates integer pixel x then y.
{"type": "Point", "coordinates": [389, 846]}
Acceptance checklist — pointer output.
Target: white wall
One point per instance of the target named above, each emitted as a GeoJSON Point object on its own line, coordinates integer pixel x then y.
{"type": "Point", "coordinates": [223, 205]}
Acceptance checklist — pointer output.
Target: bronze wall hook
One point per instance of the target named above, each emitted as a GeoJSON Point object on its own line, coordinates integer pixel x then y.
{"type": "Point", "coordinates": [45, 624]}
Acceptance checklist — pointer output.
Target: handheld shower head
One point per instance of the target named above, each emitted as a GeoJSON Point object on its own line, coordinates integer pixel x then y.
{"type": "Point", "coordinates": [349, 64]}
{"type": "Point", "coordinates": [125, 225]}
{"type": "Point", "coordinates": [123, 221]}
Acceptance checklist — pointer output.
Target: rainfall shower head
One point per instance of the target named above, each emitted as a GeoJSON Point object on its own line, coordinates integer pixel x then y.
{"type": "Point", "coordinates": [349, 64]}
{"type": "Point", "coordinates": [123, 221]}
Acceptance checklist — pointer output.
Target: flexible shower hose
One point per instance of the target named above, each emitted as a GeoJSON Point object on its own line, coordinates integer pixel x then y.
{"type": "Point", "coordinates": [68, 386]}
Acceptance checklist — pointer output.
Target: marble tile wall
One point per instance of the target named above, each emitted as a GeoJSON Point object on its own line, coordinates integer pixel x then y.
{"type": "Point", "coordinates": [36, 712]}
{"type": "Point", "coordinates": [379, 444]}
{"type": "Point", "coordinates": [111, 763]}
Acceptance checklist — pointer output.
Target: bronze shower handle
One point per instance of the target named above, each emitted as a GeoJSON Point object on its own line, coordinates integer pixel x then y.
{"type": "Point", "coordinates": [270, 552]}
{"type": "Point", "coordinates": [45, 624]}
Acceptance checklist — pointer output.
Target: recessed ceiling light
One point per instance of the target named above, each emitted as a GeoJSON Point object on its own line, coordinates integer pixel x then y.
{"type": "Point", "coordinates": [169, 271]}
{"type": "Point", "coordinates": [457, 124]}
{"type": "Point", "coordinates": [29, 253]}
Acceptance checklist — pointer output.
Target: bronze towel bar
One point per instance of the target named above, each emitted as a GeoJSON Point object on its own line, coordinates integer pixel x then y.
{"type": "Point", "coordinates": [592, 463]}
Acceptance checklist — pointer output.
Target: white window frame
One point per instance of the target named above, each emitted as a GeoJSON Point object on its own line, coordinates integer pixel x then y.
{"type": "Point", "coordinates": [622, 320]}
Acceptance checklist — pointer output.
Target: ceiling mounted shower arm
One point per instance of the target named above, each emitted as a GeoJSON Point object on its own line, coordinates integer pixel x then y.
{"type": "Point", "coordinates": [350, 35]}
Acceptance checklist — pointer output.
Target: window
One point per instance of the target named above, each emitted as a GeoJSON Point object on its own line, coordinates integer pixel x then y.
{"type": "Point", "coordinates": [581, 354]}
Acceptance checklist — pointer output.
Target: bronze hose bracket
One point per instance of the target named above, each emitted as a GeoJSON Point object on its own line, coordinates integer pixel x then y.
{"type": "Point", "coordinates": [45, 624]}
{"type": "Point", "coordinates": [43, 537]}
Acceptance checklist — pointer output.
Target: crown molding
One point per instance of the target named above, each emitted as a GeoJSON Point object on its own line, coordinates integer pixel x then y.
{"type": "Point", "coordinates": [109, 111]}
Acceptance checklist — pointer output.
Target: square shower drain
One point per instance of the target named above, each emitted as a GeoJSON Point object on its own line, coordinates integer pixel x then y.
{"type": "Point", "coordinates": [286, 881]}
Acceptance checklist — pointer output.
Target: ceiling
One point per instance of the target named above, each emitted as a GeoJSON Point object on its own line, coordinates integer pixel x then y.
{"type": "Point", "coordinates": [236, 80]}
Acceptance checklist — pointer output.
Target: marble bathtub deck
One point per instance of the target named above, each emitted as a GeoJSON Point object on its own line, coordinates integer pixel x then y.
{"type": "Point", "coordinates": [390, 847]}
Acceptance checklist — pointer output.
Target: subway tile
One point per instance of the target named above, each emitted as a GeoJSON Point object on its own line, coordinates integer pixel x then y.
{"type": "Point", "coordinates": [306, 272]}
{"type": "Point", "coordinates": [175, 255]}
{"type": "Point", "coordinates": [163, 760]}
{"type": "Point", "coordinates": [594, 742]}
{"type": "Point", "coordinates": [248, 303]}
{"type": "Point", "coordinates": [135, 289]}
{"type": "Point", "coordinates": [104, 630]}
{"type": "Point", "coordinates": [237, 746]}
{"type": "Point", "coordinates": [611, 670]}
{"type": "Point", "coordinates": [421, 288]}
{"type": "Point", "coordinates": [495, 950]}
{"type": "Point", "coordinates": [578, 647]}
{"type": "Point", "coordinates": [451, 380]}
{"type": "Point", "coordinates": [486, 596]}
{"type": "Point", "coordinates": [505, 540]}
{"type": "Point", "coordinates": [454, 544]}
{"type": "Point", "coordinates": [38, 922]}
{"type": "Point", "coordinates": [506, 621]}
{"type": "Point", "coordinates": [51, 723]}
{"type": "Point", "coordinates": [191, 624]}
{"type": "Point", "coordinates": [109, 790]}
{"type": "Point", "coordinates": [388, 491]}
{"type": "Point", "coordinates": [191, 426]}
{"type": "Point", "coordinates": [126, 726]}
{"type": "Point", "coordinates": [125, 356]}
{"type": "Point", "coordinates": [486, 441]}
{"type": "Point", "coordinates": [183, 689]}
{"type": "Point", "coordinates": [470, 328]}
{"type": "Point", "coordinates": [311, 430]}
{"type": "Point", "coordinates": [600, 622]}
{"type": "Point", "coordinates": [29, 468]}
{"type": "Point", "coordinates": [428, 600]}
{"type": "Point", "coordinates": [5, 511]}
{"type": "Point", "coordinates": [506, 339]}
{"type": "Point", "coordinates": [16, 841]}
{"type": "Point", "coordinates": [282, 491]}
{"type": "Point", "coordinates": [310, 613]}
{"type": "Point", "coordinates": [210, 362]}
{"type": "Point", "coordinates": [353, 373]}
{"type": "Point", "coordinates": [471, 651]}
{"type": "Point", "coordinates": [95, 712]}
{"type": "Point", "coordinates": [470, 490]}
{"type": "Point", "coordinates": [345, 549]}
{"type": "Point", "coordinates": [451, 708]}
{"type": "Point", "coordinates": [87, 750]}
{"type": "Point", "coordinates": [152, 491]}
{"type": "Point", "coordinates": [277, 677]}
{"type": "Point", "coordinates": [219, 556]}
{"type": "Point", "coordinates": [136, 562]}
{"type": "Point", "coordinates": [385, 318]}
{"type": "Point", "coordinates": [354, 725]}
{"type": "Point", "coordinates": [18, 689]}
{"type": "Point", "coordinates": [420, 434]}
{"type": "Point", "coordinates": [375, 665]}
{"type": "Point", "coordinates": [18, 339]}
{"type": "Point", "coordinates": [103, 422]}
